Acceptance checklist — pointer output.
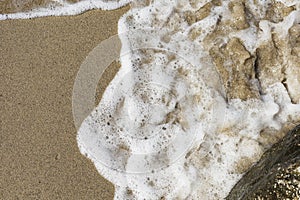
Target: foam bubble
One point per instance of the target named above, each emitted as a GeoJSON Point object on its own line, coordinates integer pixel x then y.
{"type": "Point", "coordinates": [165, 127]}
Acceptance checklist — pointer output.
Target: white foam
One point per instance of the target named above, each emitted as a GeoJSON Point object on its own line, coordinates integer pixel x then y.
{"type": "Point", "coordinates": [163, 127]}
{"type": "Point", "coordinates": [62, 8]}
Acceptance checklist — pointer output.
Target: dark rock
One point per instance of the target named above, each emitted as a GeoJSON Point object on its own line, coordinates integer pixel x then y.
{"type": "Point", "coordinates": [276, 175]}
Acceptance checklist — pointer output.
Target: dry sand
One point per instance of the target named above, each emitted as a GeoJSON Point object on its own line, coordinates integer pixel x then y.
{"type": "Point", "coordinates": [39, 61]}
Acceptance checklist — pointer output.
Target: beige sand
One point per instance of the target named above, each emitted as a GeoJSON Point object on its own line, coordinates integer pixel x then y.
{"type": "Point", "coordinates": [39, 60]}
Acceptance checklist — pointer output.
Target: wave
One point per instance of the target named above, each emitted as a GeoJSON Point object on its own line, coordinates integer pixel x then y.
{"type": "Point", "coordinates": [201, 93]}
{"type": "Point", "coordinates": [27, 9]}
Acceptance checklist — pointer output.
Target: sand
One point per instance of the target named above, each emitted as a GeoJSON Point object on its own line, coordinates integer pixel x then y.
{"type": "Point", "coordinates": [39, 60]}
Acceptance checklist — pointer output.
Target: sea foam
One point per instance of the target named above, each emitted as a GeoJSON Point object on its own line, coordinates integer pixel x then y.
{"type": "Point", "coordinates": [64, 8]}
{"type": "Point", "coordinates": [166, 127]}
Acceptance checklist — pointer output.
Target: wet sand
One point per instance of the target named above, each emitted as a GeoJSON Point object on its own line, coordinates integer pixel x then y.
{"type": "Point", "coordinates": [39, 61]}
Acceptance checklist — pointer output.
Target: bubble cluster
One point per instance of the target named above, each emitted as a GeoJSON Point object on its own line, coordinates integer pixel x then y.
{"type": "Point", "coordinates": [200, 95]}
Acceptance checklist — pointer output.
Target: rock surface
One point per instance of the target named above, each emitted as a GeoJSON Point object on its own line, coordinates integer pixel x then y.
{"type": "Point", "coordinates": [276, 175]}
{"type": "Point", "coordinates": [236, 67]}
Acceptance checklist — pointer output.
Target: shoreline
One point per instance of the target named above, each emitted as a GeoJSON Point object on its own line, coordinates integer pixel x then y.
{"type": "Point", "coordinates": [250, 106]}
{"type": "Point", "coordinates": [46, 8]}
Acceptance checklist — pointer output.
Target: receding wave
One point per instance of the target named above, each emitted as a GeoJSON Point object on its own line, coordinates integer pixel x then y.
{"type": "Point", "coordinates": [205, 87]}
{"type": "Point", "coordinates": [24, 9]}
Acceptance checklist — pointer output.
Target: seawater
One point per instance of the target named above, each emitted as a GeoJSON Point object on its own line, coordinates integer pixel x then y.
{"type": "Point", "coordinates": [166, 126]}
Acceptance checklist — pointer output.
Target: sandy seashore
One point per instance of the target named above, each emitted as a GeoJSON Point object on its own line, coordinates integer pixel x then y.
{"type": "Point", "coordinates": [39, 60]}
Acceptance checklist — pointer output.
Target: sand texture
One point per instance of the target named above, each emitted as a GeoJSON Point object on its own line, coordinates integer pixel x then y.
{"type": "Point", "coordinates": [39, 60]}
